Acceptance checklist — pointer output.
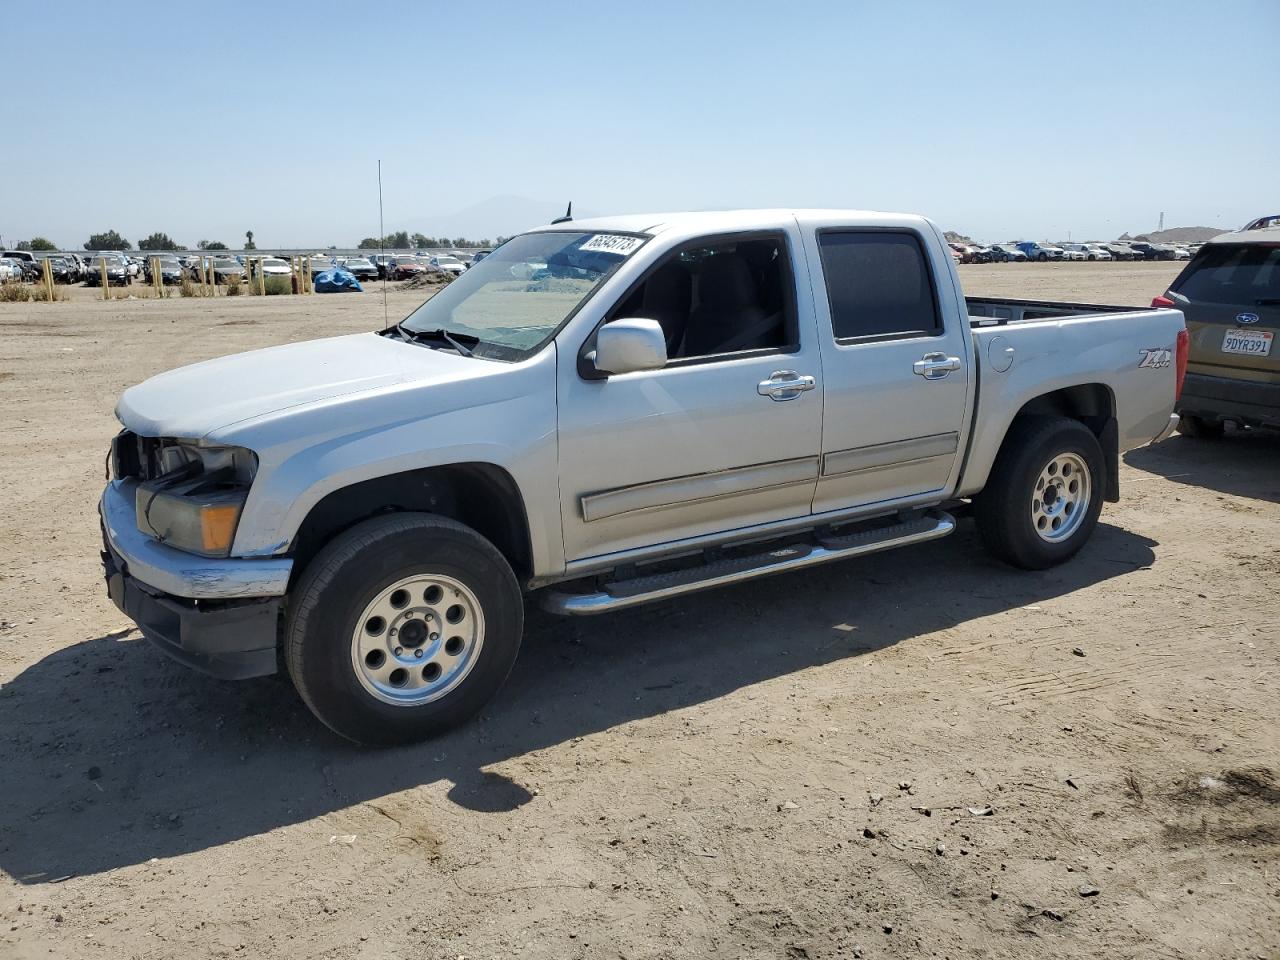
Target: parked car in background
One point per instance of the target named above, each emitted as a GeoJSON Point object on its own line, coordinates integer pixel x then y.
{"type": "Point", "coordinates": [170, 268]}
{"type": "Point", "coordinates": [21, 256]}
{"type": "Point", "coordinates": [117, 271]}
{"type": "Point", "coordinates": [1181, 253]}
{"type": "Point", "coordinates": [224, 268]}
{"type": "Point", "coordinates": [1152, 251]}
{"type": "Point", "coordinates": [63, 269]}
{"type": "Point", "coordinates": [1096, 251]}
{"type": "Point", "coordinates": [404, 267]}
{"type": "Point", "coordinates": [1230, 295]}
{"type": "Point", "coordinates": [444, 263]}
{"type": "Point", "coordinates": [28, 265]}
{"type": "Point", "coordinates": [1007, 253]}
{"type": "Point", "coordinates": [1041, 251]}
{"type": "Point", "coordinates": [1078, 251]}
{"type": "Point", "coordinates": [276, 267]}
{"type": "Point", "coordinates": [477, 257]}
{"type": "Point", "coordinates": [10, 270]}
{"type": "Point", "coordinates": [1120, 250]}
{"type": "Point", "coordinates": [384, 262]}
{"type": "Point", "coordinates": [361, 268]}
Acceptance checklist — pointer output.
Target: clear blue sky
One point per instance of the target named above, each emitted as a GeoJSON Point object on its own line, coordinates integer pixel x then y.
{"type": "Point", "coordinates": [997, 119]}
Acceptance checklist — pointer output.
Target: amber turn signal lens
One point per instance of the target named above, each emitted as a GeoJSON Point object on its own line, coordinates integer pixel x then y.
{"type": "Point", "coordinates": [218, 526]}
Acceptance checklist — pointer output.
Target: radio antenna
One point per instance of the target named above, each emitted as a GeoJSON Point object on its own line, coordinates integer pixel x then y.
{"type": "Point", "coordinates": [382, 240]}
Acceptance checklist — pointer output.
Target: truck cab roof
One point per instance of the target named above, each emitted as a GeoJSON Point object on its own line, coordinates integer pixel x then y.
{"type": "Point", "coordinates": [716, 221]}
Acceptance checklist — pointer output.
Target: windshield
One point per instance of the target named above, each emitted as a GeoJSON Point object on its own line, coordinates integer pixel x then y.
{"type": "Point", "coordinates": [519, 295]}
{"type": "Point", "coordinates": [274, 262]}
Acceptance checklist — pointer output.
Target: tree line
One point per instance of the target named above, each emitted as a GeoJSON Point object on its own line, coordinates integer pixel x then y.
{"type": "Point", "coordinates": [403, 240]}
{"type": "Point", "coordinates": [111, 240]}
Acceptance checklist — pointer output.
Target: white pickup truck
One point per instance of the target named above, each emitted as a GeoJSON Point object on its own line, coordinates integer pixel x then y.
{"type": "Point", "coordinates": [602, 413]}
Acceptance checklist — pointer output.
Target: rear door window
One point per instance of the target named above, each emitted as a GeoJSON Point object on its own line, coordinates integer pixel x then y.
{"type": "Point", "coordinates": [879, 285]}
{"type": "Point", "coordinates": [1235, 274]}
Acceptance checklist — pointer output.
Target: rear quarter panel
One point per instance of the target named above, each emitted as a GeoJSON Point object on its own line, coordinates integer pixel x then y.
{"type": "Point", "coordinates": [1121, 351]}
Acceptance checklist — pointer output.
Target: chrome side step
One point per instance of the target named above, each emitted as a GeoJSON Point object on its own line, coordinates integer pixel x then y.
{"type": "Point", "coordinates": [621, 594]}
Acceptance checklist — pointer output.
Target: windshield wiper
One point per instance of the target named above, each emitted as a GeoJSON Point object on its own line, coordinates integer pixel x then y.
{"type": "Point", "coordinates": [440, 334]}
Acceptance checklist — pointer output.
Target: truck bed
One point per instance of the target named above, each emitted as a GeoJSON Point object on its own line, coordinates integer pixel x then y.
{"type": "Point", "coordinates": [996, 312]}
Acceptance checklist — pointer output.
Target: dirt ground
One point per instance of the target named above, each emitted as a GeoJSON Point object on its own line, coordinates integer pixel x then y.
{"type": "Point", "coordinates": [781, 769]}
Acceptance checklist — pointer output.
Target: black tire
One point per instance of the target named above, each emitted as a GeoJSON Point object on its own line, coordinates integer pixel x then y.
{"type": "Point", "coordinates": [1199, 428]}
{"type": "Point", "coordinates": [1043, 257]}
{"type": "Point", "coordinates": [342, 579]}
{"type": "Point", "coordinates": [1003, 509]}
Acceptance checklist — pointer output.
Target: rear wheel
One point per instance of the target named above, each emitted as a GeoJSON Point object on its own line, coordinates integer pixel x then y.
{"type": "Point", "coordinates": [1044, 494]}
{"type": "Point", "coordinates": [1199, 428]}
{"type": "Point", "coordinates": [402, 627]}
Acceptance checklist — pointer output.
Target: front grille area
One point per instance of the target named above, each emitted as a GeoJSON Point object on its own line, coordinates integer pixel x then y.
{"type": "Point", "coordinates": [135, 457]}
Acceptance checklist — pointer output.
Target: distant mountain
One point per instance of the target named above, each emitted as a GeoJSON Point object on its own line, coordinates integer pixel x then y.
{"type": "Point", "coordinates": [492, 218]}
{"type": "Point", "coordinates": [1182, 235]}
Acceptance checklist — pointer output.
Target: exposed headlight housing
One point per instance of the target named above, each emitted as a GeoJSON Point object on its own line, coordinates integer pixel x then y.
{"type": "Point", "coordinates": [196, 501]}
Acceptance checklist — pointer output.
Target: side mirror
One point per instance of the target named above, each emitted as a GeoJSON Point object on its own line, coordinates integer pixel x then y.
{"type": "Point", "coordinates": [625, 346]}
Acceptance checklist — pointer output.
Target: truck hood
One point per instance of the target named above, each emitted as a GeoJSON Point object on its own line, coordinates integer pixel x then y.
{"type": "Point", "coordinates": [191, 402]}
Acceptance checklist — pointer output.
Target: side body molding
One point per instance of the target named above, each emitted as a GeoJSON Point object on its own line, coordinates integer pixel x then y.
{"type": "Point", "coordinates": [892, 454]}
{"type": "Point", "coordinates": [682, 491]}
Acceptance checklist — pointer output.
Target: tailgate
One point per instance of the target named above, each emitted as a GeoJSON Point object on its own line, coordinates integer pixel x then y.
{"type": "Point", "coordinates": [1230, 295]}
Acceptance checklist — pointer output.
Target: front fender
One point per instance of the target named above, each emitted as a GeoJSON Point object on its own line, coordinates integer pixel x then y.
{"type": "Point", "coordinates": [506, 417]}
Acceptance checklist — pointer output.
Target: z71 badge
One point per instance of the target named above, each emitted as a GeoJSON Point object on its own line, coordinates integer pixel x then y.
{"type": "Point", "coordinates": [1155, 357]}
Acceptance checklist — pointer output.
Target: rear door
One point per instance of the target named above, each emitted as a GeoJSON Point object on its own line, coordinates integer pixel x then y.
{"type": "Point", "coordinates": [1230, 295]}
{"type": "Point", "coordinates": [896, 374]}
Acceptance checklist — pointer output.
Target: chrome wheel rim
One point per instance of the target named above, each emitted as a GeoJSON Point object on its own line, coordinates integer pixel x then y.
{"type": "Point", "coordinates": [417, 639]}
{"type": "Point", "coordinates": [1060, 500]}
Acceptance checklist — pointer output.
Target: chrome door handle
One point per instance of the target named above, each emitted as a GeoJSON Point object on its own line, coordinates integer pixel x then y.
{"type": "Point", "coordinates": [935, 366]}
{"type": "Point", "coordinates": [785, 385]}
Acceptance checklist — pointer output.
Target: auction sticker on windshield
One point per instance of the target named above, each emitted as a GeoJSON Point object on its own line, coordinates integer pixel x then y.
{"type": "Point", "coordinates": [612, 243]}
{"type": "Point", "coordinates": [1253, 343]}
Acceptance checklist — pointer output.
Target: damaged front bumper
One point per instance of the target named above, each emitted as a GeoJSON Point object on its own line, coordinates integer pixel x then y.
{"type": "Point", "coordinates": [219, 616]}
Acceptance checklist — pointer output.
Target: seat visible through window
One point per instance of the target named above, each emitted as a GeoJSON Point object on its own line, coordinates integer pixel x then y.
{"type": "Point", "coordinates": [718, 299]}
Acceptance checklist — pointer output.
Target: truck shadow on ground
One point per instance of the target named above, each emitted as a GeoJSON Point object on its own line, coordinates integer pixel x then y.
{"type": "Point", "coordinates": [1244, 463]}
{"type": "Point", "coordinates": [112, 755]}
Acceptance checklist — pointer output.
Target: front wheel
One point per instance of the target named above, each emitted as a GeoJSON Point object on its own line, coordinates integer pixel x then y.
{"type": "Point", "coordinates": [402, 627]}
{"type": "Point", "coordinates": [1044, 494]}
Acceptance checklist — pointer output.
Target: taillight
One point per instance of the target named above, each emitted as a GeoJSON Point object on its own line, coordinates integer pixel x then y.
{"type": "Point", "coordinates": [1180, 361]}
{"type": "Point", "coordinates": [1162, 302]}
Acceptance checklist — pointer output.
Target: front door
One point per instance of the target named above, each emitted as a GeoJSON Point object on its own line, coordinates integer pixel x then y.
{"type": "Point", "coordinates": [715, 440]}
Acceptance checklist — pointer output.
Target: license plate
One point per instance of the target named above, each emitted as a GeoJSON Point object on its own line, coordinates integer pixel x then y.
{"type": "Point", "coordinates": [1252, 343]}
